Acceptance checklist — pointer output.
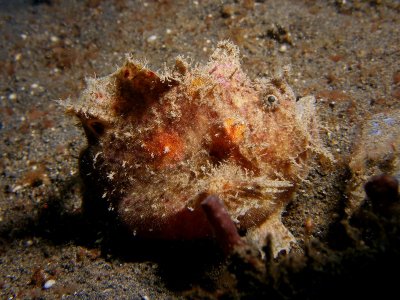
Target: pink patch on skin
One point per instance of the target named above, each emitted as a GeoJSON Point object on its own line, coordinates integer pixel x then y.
{"type": "Point", "coordinates": [98, 96]}
{"type": "Point", "coordinates": [212, 70]}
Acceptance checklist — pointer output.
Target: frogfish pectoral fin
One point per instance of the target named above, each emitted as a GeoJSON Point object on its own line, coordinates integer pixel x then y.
{"type": "Point", "coordinates": [281, 237]}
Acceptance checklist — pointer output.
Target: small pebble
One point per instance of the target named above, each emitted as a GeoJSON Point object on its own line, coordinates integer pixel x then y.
{"type": "Point", "coordinates": [54, 39]}
{"type": "Point", "coordinates": [12, 96]}
{"type": "Point", "coordinates": [283, 48]}
{"type": "Point", "coordinates": [49, 283]}
{"type": "Point", "coordinates": [151, 38]}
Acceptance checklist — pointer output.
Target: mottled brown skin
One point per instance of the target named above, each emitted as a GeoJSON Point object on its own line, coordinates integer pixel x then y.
{"type": "Point", "coordinates": [159, 147]}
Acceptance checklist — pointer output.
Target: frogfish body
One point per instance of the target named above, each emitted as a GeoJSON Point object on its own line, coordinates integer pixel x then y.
{"type": "Point", "coordinates": [158, 145]}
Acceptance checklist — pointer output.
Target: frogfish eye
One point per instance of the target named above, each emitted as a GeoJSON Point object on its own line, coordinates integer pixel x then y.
{"type": "Point", "coordinates": [269, 101]}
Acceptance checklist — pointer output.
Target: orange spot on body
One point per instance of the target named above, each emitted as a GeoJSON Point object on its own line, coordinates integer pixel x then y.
{"type": "Point", "coordinates": [225, 145]}
{"type": "Point", "coordinates": [150, 74]}
{"type": "Point", "coordinates": [197, 82]}
{"type": "Point", "coordinates": [234, 130]}
{"type": "Point", "coordinates": [166, 148]}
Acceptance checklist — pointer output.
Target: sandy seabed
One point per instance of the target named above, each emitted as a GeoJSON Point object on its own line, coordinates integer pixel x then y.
{"type": "Point", "coordinates": [345, 53]}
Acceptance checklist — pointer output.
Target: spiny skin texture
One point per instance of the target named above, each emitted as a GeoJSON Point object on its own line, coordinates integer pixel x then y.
{"type": "Point", "coordinates": [158, 145]}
